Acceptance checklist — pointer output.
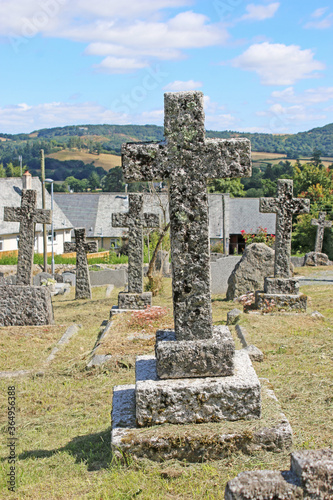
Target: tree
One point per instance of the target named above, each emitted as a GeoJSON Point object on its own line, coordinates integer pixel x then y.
{"type": "Point", "coordinates": [94, 181]}
{"type": "Point", "coordinates": [232, 186]}
{"type": "Point", "coordinates": [113, 181]}
{"type": "Point", "coordinates": [315, 159]}
{"type": "Point", "coordinates": [2, 171]}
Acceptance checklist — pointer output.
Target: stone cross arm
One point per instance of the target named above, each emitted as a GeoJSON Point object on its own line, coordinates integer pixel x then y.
{"type": "Point", "coordinates": [321, 221]}
{"type": "Point", "coordinates": [294, 205]}
{"type": "Point", "coordinates": [215, 158]}
{"type": "Point", "coordinates": [123, 220]}
{"type": "Point", "coordinates": [69, 247]}
{"type": "Point", "coordinates": [89, 247]}
{"type": "Point", "coordinates": [16, 214]}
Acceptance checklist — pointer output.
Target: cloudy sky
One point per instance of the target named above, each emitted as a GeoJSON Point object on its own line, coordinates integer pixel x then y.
{"type": "Point", "coordinates": [264, 66]}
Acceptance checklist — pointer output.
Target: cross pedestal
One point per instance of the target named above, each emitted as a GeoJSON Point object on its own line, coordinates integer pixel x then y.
{"type": "Point", "coordinates": [136, 220]}
{"type": "Point", "coordinates": [23, 304]}
{"type": "Point", "coordinates": [196, 376]}
{"type": "Point", "coordinates": [282, 291]}
{"type": "Point", "coordinates": [81, 247]}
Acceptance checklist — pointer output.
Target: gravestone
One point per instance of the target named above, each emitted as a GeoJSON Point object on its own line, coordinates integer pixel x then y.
{"type": "Point", "coordinates": [321, 223]}
{"type": "Point", "coordinates": [196, 376]}
{"type": "Point", "coordinates": [27, 215]}
{"type": "Point", "coordinates": [281, 292]}
{"type": "Point", "coordinates": [22, 303]}
{"type": "Point", "coordinates": [81, 247]}
{"type": "Point", "coordinates": [310, 477]}
{"type": "Point", "coordinates": [136, 220]}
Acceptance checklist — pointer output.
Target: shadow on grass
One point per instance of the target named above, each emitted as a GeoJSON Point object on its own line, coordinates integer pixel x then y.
{"type": "Point", "coordinates": [93, 449]}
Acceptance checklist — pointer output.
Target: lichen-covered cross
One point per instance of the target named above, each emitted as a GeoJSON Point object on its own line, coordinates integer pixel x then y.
{"type": "Point", "coordinates": [27, 215]}
{"type": "Point", "coordinates": [321, 223]}
{"type": "Point", "coordinates": [81, 247]}
{"type": "Point", "coordinates": [285, 206]}
{"type": "Point", "coordinates": [187, 160]}
{"type": "Point", "coordinates": [135, 219]}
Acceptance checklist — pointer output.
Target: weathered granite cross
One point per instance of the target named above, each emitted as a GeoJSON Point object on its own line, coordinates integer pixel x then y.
{"type": "Point", "coordinates": [187, 159]}
{"type": "Point", "coordinates": [81, 247]}
{"type": "Point", "coordinates": [27, 215]}
{"type": "Point", "coordinates": [285, 206]}
{"type": "Point", "coordinates": [135, 219]}
{"type": "Point", "coordinates": [321, 223]}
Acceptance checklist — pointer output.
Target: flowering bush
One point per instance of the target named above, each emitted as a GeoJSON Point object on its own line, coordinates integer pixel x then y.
{"type": "Point", "coordinates": [260, 236]}
{"type": "Point", "coordinates": [147, 317]}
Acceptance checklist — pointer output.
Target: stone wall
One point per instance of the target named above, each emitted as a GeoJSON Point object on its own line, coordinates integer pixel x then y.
{"type": "Point", "coordinates": [25, 305]}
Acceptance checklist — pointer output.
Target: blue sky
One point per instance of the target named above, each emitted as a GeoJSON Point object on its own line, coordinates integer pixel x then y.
{"type": "Point", "coordinates": [264, 66]}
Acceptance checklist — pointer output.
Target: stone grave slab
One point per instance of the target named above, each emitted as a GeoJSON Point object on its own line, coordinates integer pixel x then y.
{"type": "Point", "coordinates": [281, 292]}
{"type": "Point", "coordinates": [197, 442]}
{"type": "Point", "coordinates": [81, 247]}
{"type": "Point", "coordinates": [136, 220]}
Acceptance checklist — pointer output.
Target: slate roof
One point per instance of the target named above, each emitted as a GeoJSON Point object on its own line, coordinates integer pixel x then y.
{"type": "Point", "coordinates": [10, 196]}
{"type": "Point", "coordinates": [93, 211]}
{"type": "Point", "coordinates": [244, 214]}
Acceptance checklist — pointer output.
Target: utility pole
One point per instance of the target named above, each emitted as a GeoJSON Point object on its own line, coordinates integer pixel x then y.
{"type": "Point", "coordinates": [42, 167]}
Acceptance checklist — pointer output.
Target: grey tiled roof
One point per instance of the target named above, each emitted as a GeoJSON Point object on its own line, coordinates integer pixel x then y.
{"type": "Point", "coordinates": [10, 196]}
{"type": "Point", "coordinates": [244, 214]}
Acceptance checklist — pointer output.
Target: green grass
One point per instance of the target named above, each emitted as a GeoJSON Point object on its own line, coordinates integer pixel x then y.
{"type": "Point", "coordinates": [58, 259]}
{"type": "Point", "coordinates": [63, 421]}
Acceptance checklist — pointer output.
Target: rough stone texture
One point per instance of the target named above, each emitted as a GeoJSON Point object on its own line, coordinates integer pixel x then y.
{"type": "Point", "coordinates": [263, 485]}
{"type": "Point", "coordinates": [135, 220]}
{"type": "Point", "coordinates": [315, 471]}
{"type": "Point", "coordinates": [316, 259]}
{"type": "Point", "coordinates": [195, 358]}
{"type": "Point", "coordinates": [256, 263]}
{"type": "Point", "coordinates": [285, 206]}
{"type": "Point", "coordinates": [81, 247]}
{"type": "Point", "coordinates": [116, 277]}
{"type": "Point", "coordinates": [310, 478]}
{"type": "Point", "coordinates": [198, 400]}
{"type": "Point", "coordinates": [278, 302]}
{"type": "Point", "coordinates": [25, 305]}
{"type": "Point", "coordinates": [27, 215]}
{"type": "Point", "coordinates": [321, 223]}
{"type": "Point", "coordinates": [134, 300]}
{"type": "Point", "coordinates": [188, 160]}
{"type": "Point", "coordinates": [39, 278]}
{"type": "Point", "coordinates": [196, 443]}
{"type": "Point", "coordinates": [254, 353]}
{"type": "Point", "coordinates": [233, 316]}
{"type": "Point", "coordinates": [281, 285]}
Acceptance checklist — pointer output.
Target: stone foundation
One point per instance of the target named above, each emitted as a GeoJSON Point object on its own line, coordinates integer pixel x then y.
{"type": "Point", "coordinates": [283, 286]}
{"type": "Point", "coordinates": [310, 477]}
{"type": "Point", "coordinates": [280, 302]}
{"type": "Point", "coordinates": [127, 300]}
{"type": "Point", "coordinates": [25, 305]}
{"type": "Point", "coordinates": [195, 358]}
{"type": "Point", "coordinates": [197, 443]}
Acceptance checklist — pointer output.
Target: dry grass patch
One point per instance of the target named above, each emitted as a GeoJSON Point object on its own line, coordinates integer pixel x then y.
{"type": "Point", "coordinates": [309, 270]}
{"type": "Point", "coordinates": [103, 160]}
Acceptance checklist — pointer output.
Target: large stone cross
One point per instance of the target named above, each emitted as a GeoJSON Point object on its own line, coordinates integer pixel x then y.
{"type": "Point", "coordinates": [81, 247]}
{"type": "Point", "coordinates": [27, 215]}
{"type": "Point", "coordinates": [187, 160]}
{"type": "Point", "coordinates": [285, 206]}
{"type": "Point", "coordinates": [321, 223]}
{"type": "Point", "coordinates": [135, 219]}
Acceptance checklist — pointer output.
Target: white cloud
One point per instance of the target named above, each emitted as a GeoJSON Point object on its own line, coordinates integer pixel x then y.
{"type": "Point", "coordinates": [318, 21]}
{"type": "Point", "coordinates": [178, 86]}
{"type": "Point", "coordinates": [309, 96]}
{"type": "Point", "coordinates": [120, 64]}
{"type": "Point", "coordinates": [278, 64]}
{"type": "Point", "coordinates": [260, 12]}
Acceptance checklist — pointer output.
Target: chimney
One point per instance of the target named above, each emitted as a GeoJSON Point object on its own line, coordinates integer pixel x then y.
{"type": "Point", "coordinates": [26, 180]}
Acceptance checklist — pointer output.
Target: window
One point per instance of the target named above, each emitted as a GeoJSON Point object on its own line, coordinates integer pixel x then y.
{"type": "Point", "coordinates": [49, 237]}
{"type": "Point", "coordinates": [1, 244]}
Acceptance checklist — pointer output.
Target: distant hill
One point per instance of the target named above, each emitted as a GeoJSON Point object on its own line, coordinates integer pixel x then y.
{"type": "Point", "coordinates": [77, 150]}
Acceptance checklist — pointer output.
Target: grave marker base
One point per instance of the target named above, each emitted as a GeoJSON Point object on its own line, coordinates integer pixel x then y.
{"type": "Point", "coordinates": [128, 300]}
{"type": "Point", "coordinates": [197, 442]}
{"type": "Point", "coordinates": [22, 305]}
{"type": "Point", "coordinates": [267, 302]}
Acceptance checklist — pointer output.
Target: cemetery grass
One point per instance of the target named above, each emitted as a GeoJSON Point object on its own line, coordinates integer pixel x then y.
{"type": "Point", "coordinates": [63, 423]}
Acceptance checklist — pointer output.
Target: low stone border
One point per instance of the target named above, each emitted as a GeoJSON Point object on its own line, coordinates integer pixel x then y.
{"type": "Point", "coordinates": [253, 351]}
{"type": "Point", "coordinates": [71, 330]}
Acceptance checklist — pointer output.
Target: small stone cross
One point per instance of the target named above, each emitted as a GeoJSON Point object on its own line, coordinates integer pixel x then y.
{"type": "Point", "coordinates": [321, 223]}
{"type": "Point", "coordinates": [285, 206]}
{"type": "Point", "coordinates": [27, 215]}
{"type": "Point", "coordinates": [135, 220]}
{"type": "Point", "coordinates": [187, 160]}
{"type": "Point", "coordinates": [81, 247]}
